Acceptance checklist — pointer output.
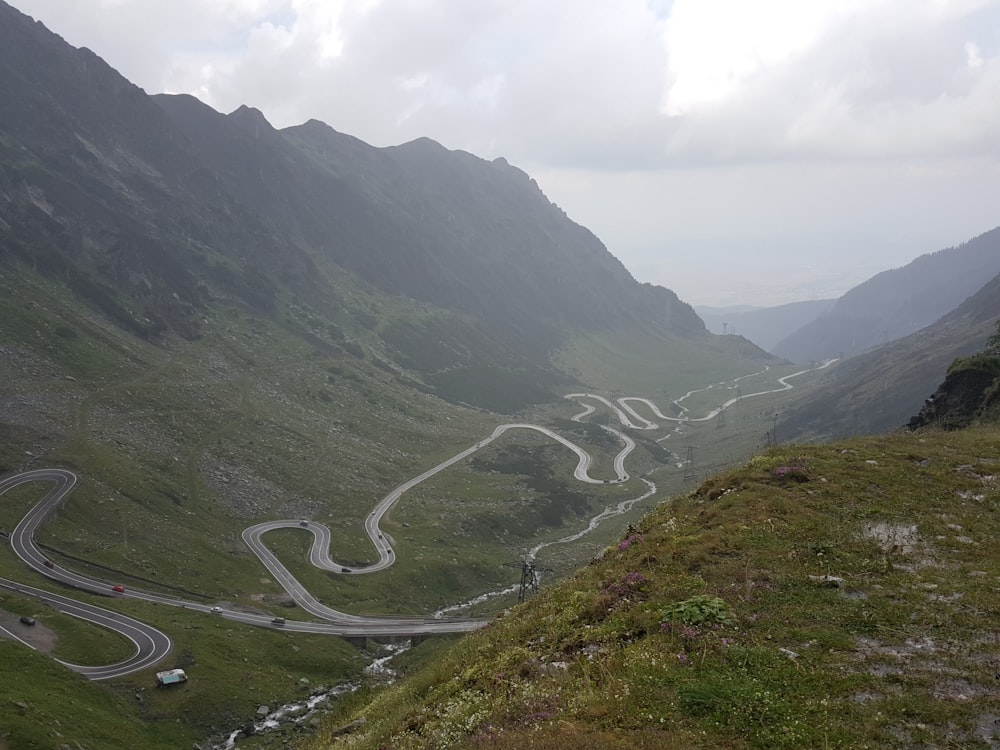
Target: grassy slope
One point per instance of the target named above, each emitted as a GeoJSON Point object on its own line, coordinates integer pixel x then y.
{"type": "Point", "coordinates": [901, 654]}
{"type": "Point", "coordinates": [879, 391]}
{"type": "Point", "coordinates": [638, 364]}
{"type": "Point", "coordinates": [49, 708]}
{"type": "Point", "coordinates": [179, 448]}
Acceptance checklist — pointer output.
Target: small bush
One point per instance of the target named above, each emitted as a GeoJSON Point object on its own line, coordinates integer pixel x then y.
{"type": "Point", "coordinates": [790, 474]}
{"type": "Point", "coordinates": [698, 610]}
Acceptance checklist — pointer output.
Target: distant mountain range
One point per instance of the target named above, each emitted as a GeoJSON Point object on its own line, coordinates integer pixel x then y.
{"type": "Point", "coordinates": [764, 326]}
{"type": "Point", "coordinates": [896, 303]}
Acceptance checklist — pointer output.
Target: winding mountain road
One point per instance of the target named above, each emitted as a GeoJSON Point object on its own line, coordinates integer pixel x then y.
{"type": "Point", "coordinates": [152, 645]}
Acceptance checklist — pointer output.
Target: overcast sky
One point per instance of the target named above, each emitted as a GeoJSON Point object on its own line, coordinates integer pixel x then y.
{"type": "Point", "coordinates": [736, 151]}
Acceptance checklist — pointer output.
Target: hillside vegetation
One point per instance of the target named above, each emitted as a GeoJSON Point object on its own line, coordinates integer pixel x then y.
{"type": "Point", "coordinates": [835, 596]}
{"type": "Point", "coordinates": [880, 391]}
{"type": "Point", "coordinates": [214, 323]}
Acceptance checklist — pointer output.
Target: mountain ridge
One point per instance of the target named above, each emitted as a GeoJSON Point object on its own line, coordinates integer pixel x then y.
{"type": "Point", "coordinates": [897, 302]}
{"type": "Point", "coordinates": [187, 208]}
{"type": "Point", "coordinates": [765, 326]}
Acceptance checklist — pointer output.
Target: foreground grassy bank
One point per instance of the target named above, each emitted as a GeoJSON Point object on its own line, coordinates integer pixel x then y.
{"type": "Point", "coordinates": [835, 596]}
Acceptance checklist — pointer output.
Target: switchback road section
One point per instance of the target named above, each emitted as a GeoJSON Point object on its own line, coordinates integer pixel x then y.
{"type": "Point", "coordinates": [152, 645]}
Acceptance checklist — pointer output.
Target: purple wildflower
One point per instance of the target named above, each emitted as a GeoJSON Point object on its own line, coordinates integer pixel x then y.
{"type": "Point", "coordinates": [628, 541]}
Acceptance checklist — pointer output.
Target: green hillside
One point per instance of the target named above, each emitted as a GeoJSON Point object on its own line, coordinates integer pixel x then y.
{"type": "Point", "coordinates": [879, 391]}
{"type": "Point", "coordinates": [216, 323]}
{"type": "Point", "coordinates": [841, 596]}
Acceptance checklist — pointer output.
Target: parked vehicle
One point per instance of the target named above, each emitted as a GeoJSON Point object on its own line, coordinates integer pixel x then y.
{"type": "Point", "coordinates": [28, 620]}
{"type": "Point", "coordinates": [171, 677]}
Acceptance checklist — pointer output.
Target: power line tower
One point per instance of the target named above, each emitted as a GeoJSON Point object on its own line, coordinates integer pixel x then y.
{"type": "Point", "coordinates": [689, 463]}
{"type": "Point", "coordinates": [529, 577]}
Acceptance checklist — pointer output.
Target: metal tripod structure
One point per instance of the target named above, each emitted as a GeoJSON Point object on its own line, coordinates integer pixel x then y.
{"type": "Point", "coordinates": [529, 577]}
{"type": "Point", "coordinates": [689, 463]}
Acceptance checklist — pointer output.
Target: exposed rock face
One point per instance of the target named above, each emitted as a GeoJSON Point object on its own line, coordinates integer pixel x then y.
{"type": "Point", "coordinates": [970, 391]}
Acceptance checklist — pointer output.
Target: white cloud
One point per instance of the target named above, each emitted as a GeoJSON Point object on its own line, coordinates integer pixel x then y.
{"type": "Point", "coordinates": [973, 56]}
{"type": "Point", "coordinates": [877, 80]}
{"type": "Point", "coordinates": [714, 46]}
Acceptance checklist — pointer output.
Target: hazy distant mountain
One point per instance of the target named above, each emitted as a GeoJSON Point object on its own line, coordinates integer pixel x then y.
{"type": "Point", "coordinates": [897, 302]}
{"type": "Point", "coordinates": [765, 326]}
{"type": "Point", "coordinates": [157, 209]}
{"type": "Point", "coordinates": [881, 390]}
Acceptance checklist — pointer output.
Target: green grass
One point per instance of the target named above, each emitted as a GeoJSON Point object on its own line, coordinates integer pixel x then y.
{"type": "Point", "coordinates": [638, 364]}
{"type": "Point", "coordinates": [900, 653]}
{"type": "Point", "coordinates": [232, 669]}
{"type": "Point", "coordinates": [48, 708]}
{"type": "Point", "coordinates": [180, 446]}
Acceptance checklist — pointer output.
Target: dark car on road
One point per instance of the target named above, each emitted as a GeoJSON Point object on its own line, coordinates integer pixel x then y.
{"type": "Point", "coordinates": [28, 620]}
